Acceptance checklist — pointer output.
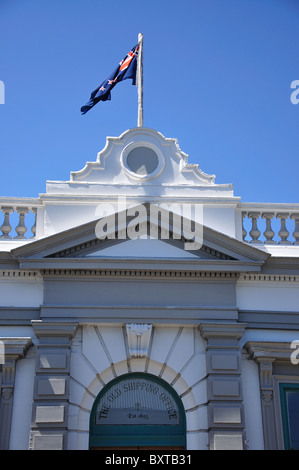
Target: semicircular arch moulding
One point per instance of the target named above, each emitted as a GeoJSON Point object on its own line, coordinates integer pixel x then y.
{"type": "Point", "coordinates": [89, 394]}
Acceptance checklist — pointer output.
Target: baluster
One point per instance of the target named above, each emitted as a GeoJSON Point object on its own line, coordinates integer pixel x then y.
{"type": "Point", "coordinates": [295, 217]}
{"type": "Point", "coordinates": [21, 228]}
{"type": "Point", "coordinates": [268, 233]}
{"type": "Point", "coordinates": [244, 232]}
{"type": "Point", "coordinates": [254, 232]}
{"type": "Point", "coordinates": [283, 232]}
{"type": "Point", "coordinates": [6, 227]}
{"type": "Point", "coordinates": [33, 228]}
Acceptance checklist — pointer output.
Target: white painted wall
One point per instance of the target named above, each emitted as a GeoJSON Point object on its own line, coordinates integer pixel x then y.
{"type": "Point", "coordinates": [252, 404]}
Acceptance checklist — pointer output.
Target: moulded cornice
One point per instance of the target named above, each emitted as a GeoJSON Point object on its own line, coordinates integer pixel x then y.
{"type": "Point", "coordinates": [154, 265]}
{"type": "Point", "coordinates": [269, 350]}
{"type": "Point", "coordinates": [143, 273]}
{"type": "Point", "coordinates": [17, 274]}
{"type": "Point", "coordinates": [256, 277]}
{"type": "Point", "coordinates": [44, 329]}
{"type": "Point", "coordinates": [221, 330]}
{"type": "Point", "coordinates": [15, 347]}
{"type": "Point", "coordinates": [84, 199]}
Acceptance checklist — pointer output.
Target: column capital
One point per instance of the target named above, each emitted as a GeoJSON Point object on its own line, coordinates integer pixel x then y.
{"type": "Point", "coordinates": [23, 210]}
{"type": "Point", "coordinates": [282, 215]}
{"type": "Point", "coordinates": [266, 215]}
{"type": "Point", "coordinates": [222, 330]}
{"type": "Point", "coordinates": [13, 348]}
{"type": "Point", "coordinates": [44, 329]}
{"type": "Point", "coordinates": [268, 351]}
{"type": "Point", "coordinates": [8, 209]}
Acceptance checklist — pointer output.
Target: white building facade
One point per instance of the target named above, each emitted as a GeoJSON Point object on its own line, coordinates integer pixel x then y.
{"type": "Point", "coordinates": [148, 307]}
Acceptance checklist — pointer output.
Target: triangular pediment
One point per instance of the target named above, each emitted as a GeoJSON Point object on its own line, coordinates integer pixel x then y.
{"type": "Point", "coordinates": [141, 248]}
{"type": "Point", "coordinates": [168, 239]}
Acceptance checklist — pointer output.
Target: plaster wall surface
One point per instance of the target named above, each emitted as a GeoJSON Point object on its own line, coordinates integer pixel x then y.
{"type": "Point", "coordinates": [60, 217]}
{"type": "Point", "coordinates": [21, 292]}
{"type": "Point", "coordinates": [252, 404]}
{"type": "Point", "coordinates": [138, 293]}
{"type": "Point", "coordinates": [275, 296]}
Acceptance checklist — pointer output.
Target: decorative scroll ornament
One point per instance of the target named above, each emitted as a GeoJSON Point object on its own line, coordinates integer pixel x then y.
{"type": "Point", "coordinates": [267, 395]}
{"type": "Point", "coordinates": [138, 339]}
{"type": "Point", "coordinates": [6, 393]}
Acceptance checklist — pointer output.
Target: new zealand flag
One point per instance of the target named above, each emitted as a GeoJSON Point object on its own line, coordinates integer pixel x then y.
{"type": "Point", "coordinates": [127, 68]}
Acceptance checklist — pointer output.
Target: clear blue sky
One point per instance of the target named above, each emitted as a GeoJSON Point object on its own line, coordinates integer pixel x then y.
{"type": "Point", "coordinates": [217, 76]}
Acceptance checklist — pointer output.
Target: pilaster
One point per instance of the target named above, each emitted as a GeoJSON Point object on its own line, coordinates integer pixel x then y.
{"type": "Point", "coordinates": [226, 425]}
{"type": "Point", "coordinates": [11, 350]}
{"type": "Point", "coordinates": [266, 354]}
{"type": "Point", "coordinates": [51, 388]}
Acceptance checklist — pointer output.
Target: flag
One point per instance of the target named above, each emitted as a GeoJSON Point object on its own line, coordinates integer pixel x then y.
{"type": "Point", "coordinates": [127, 68]}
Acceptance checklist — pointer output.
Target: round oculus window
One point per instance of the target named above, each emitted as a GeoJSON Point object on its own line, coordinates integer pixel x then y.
{"type": "Point", "coordinates": [142, 161]}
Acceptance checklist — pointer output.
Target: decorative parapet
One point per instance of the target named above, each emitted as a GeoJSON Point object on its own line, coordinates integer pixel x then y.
{"type": "Point", "coordinates": [19, 218]}
{"type": "Point", "coordinates": [270, 224]}
{"type": "Point", "coordinates": [142, 139]}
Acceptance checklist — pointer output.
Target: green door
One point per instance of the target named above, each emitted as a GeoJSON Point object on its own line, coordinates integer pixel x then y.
{"type": "Point", "coordinates": [137, 410]}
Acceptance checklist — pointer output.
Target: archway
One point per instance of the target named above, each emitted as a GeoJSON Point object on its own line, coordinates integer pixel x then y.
{"type": "Point", "coordinates": [137, 411]}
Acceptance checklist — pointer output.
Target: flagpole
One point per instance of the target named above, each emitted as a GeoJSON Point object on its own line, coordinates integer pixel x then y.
{"type": "Point", "coordinates": [140, 81]}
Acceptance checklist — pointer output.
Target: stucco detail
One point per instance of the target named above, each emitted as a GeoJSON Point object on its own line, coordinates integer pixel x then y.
{"type": "Point", "coordinates": [100, 354]}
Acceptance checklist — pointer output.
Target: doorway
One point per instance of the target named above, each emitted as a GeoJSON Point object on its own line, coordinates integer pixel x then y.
{"type": "Point", "coordinates": [137, 411]}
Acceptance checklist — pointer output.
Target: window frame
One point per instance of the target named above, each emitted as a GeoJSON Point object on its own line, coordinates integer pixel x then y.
{"type": "Point", "coordinates": [283, 388]}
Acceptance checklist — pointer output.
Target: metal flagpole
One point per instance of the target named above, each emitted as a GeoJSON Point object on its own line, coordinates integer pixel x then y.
{"type": "Point", "coordinates": [140, 81]}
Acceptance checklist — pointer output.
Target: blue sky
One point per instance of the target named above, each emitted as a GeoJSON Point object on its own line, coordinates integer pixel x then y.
{"type": "Point", "coordinates": [217, 76]}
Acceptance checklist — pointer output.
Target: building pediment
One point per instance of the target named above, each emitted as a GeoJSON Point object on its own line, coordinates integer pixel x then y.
{"type": "Point", "coordinates": [135, 238]}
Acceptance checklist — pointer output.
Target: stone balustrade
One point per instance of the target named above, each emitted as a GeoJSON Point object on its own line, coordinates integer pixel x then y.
{"type": "Point", "coordinates": [19, 216]}
{"type": "Point", "coordinates": [270, 224]}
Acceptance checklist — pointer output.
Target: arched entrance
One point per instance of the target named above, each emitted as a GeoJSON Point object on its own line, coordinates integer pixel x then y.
{"type": "Point", "coordinates": [137, 411]}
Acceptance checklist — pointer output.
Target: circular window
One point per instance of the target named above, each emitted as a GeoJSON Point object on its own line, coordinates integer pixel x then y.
{"type": "Point", "coordinates": [142, 161]}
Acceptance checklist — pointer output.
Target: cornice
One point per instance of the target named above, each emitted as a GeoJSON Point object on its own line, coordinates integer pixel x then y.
{"type": "Point", "coordinates": [269, 350]}
{"type": "Point", "coordinates": [140, 273]}
{"type": "Point", "coordinates": [15, 347]}
{"type": "Point", "coordinates": [256, 277]}
{"type": "Point", "coordinates": [97, 198]}
{"type": "Point", "coordinates": [19, 274]}
{"type": "Point", "coordinates": [155, 265]}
